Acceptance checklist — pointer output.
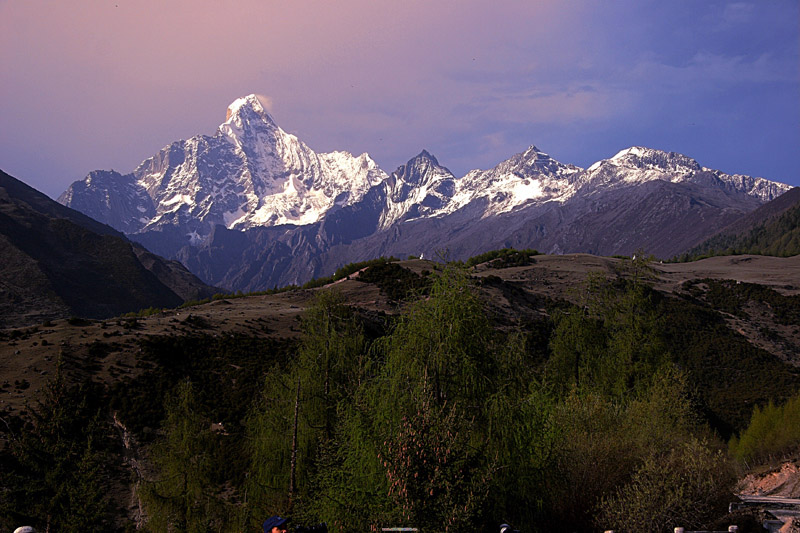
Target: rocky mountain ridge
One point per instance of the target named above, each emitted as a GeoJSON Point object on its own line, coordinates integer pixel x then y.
{"type": "Point", "coordinates": [254, 198]}
{"type": "Point", "coordinates": [251, 173]}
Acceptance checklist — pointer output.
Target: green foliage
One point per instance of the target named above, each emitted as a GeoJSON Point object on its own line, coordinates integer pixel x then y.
{"type": "Point", "coordinates": [447, 424]}
{"type": "Point", "coordinates": [340, 273]}
{"type": "Point", "coordinates": [299, 409]}
{"type": "Point", "coordinates": [773, 431]}
{"type": "Point", "coordinates": [232, 363]}
{"type": "Point", "coordinates": [684, 486]}
{"type": "Point", "coordinates": [54, 467]}
{"type": "Point", "coordinates": [622, 332]}
{"type": "Point", "coordinates": [505, 258]}
{"type": "Point", "coordinates": [439, 346]}
{"type": "Point", "coordinates": [351, 490]}
{"type": "Point", "coordinates": [605, 441]}
{"type": "Point", "coordinates": [78, 321]}
{"type": "Point", "coordinates": [142, 313]}
{"type": "Point", "coordinates": [523, 435]}
{"type": "Point", "coordinates": [194, 303]}
{"type": "Point", "coordinates": [451, 421]}
{"type": "Point", "coordinates": [579, 351]}
{"type": "Point", "coordinates": [182, 496]}
{"type": "Point", "coordinates": [396, 282]}
{"type": "Point", "coordinates": [612, 342]}
{"type": "Point", "coordinates": [729, 374]}
{"type": "Point", "coordinates": [346, 270]}
{"type": "Point", "coordinates": [427, 407]}
{"type": "Point", "coordinates": [732, 297]}
{"type": "Point", "coordinates": [437, 480]}
{"type": "Point", "coordinates": [422, 431]}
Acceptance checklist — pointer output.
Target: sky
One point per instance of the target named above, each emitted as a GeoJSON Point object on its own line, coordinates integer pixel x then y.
{"type": "Point", "coordinates": [91, 84]}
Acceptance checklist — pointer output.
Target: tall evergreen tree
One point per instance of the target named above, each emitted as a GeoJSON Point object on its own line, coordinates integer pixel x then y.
{"type": "Point", "coordinates": [181, 496]}
{"type": "Point", "coordinates": [299, 411]}
{"type": "Point", "coordinates": [56, 464]}
{"type": "Point", "coordinates": [429, 404]}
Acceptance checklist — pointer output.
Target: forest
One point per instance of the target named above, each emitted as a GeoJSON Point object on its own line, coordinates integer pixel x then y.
{"type": "Point", "coordinates": [628, 410]}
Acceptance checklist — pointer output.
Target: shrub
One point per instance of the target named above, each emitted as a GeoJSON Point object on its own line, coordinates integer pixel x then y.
{"type": "Point", "coordinates": [772, 431]}
{"type": "Point", "coordinates": [77, 321]}
{"type": "Point", "coordinates": [685, 487]}
{"type": "Point", "coordinates": [396, 282]}
{"type": "Point", "coordinates": [507, 257]}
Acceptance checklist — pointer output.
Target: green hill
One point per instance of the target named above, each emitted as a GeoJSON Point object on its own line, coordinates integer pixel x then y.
{"type": "Point", "coordinates": [773, 229]}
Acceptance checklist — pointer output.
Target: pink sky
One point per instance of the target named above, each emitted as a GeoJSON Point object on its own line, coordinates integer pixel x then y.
{"type": "Point", "coordinates": [105, 84]}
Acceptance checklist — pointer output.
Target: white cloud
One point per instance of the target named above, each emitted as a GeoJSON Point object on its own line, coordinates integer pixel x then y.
{"type": "Point", "coordinates": [736, 13]}
{"type": "Point", "coordinates": [266, 102]}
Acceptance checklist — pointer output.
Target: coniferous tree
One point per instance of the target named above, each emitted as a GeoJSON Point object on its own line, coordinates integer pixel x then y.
{"type": "Point", "coordinates": [297, 416]}
{"type": "Point", "coordinates": [56, 466]}
{"type": "Point", "coordinates": [181, 497]}
{"type": "Point", "coordinates": [430, 407]}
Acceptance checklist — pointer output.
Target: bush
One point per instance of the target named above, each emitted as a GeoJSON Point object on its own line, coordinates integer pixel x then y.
{"type": "Point", "coordinates": [396, 282]}
{"type": "Point", "coordinates": [505, 258]}
{"type": "Point", "coordinates": [773, 430]}
{"type": "Point", "coordinates": [685, 487]}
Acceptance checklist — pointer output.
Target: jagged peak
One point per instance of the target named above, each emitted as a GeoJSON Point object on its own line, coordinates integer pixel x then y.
{"type": "Point", "coordinates": [250, 103]}
{"type": "Point", "coordinates": [424, 154]}
{"type": "Point", "coordinates": [641, 156]}
{"type": "Point", "coordinates": [535, 161]}
{"type": "Point", "coordinates": [421, 168]}
{"type": "Point", "coordinates": [533, 152]}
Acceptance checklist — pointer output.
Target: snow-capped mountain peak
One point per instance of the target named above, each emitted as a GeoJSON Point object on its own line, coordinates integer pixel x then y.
{"type": "Point", "coordinates": [247, 117]}
{"type": "Point", "coordinates": [420, 188]}
{"type": "Point", "coordinates": [250, 102]}
{"type": "Point", "coordinates": [251, 173]}
{"type": "Point", "coordinates": [638, 164]}
{"type": "Point", "coordinates": [649, 158]}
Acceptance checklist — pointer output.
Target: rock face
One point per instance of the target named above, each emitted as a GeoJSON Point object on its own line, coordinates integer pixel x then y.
{"type": "Point", "coordinates": [253, 207]}
{"type": "Point", "coordinates": [250, 174]}
{"type": "Point", "coordinates": [58, 262]}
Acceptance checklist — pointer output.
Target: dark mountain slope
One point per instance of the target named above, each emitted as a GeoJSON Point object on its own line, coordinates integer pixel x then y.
{"type": "Point", "coordinates": [57, 262]}
{"type": "Point", "coordinates": [772, 229]}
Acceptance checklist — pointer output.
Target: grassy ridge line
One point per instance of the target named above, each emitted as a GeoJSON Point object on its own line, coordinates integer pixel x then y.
{"type": "Point", "coordinates": [502, 258]}
{"type": "Point", "coordinates": [341, 273]}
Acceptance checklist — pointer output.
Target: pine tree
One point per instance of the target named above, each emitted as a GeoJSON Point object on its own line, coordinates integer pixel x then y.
{"type": "Point", "coordinates": [55, 472]}
{"type": "Point", "coordinates": [297, 416]}
{"type": "Point", "coordinates": [180, 497]}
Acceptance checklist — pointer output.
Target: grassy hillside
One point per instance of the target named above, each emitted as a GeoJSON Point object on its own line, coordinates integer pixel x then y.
{"type": "Point", "coordinates": [550, 392]}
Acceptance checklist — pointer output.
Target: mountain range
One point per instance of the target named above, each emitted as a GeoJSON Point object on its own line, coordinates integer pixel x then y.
{"type": "Point", "coordinates": [252, 206]}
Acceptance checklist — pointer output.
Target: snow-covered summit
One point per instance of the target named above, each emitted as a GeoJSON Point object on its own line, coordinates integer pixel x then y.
{"type": "Point", "coordinates": [246, 117]}
{"type": "Point", "coordinates": [251, 102]}
{"type": "Point", "coordinates": [251, 173]}
{"type": "Point", "coordinates": [528, 177]}
{"type": "Point", "coordinates": [420, 188]}
{"type": "Point", "coordinates": [639, 164]}
{"type": "Point", "coordinates": [649, 158]}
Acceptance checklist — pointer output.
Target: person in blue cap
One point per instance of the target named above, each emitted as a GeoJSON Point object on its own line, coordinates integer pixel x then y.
{"type": "Point", "coordinates": [274, 524]}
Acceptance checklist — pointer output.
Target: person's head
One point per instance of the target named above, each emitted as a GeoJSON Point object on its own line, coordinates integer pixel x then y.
{"type": "Point", "coordinates": [274, 524]}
